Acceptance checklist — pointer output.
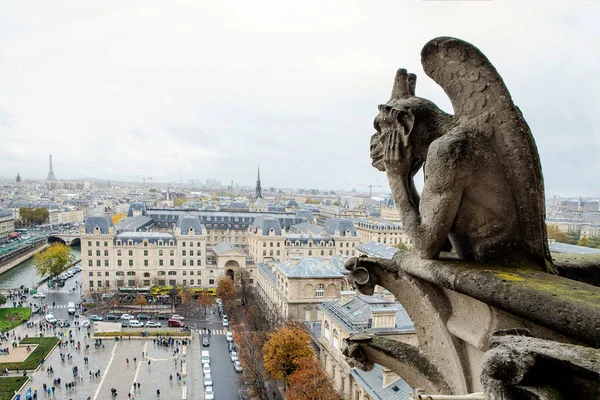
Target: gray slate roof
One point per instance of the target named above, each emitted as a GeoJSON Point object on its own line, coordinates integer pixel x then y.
{"type": "Point", "coordinates": [302, 213]}
{"type": "Point", "coordinates": [185, 222]}
{"type": "Point", "coordinates": [376, 249]}
{"type": "Point", "coordinates": [137, 206]}
{"type": "Point", "coordinates": [5, 213]}
{"type": "Point", "coordinates": [305, 227]}
{"type": "Point", "coordinates": [97, 220]}
{"type": "Point", "coordinates": [291, 203]}
{"type": "Point", "coordinates": [372, 381]}
{"type": "Point", "coordinates": [151, 237]}
{"type": "Point", "coordinates": [133, 224]}
{"type": "Point", "coordinates": [312, 267]}
{"type": "Point", "coordinates": [224, 247]}
{"type": "Point", "coordinates": [340, 224]}
{"type": "Point", "coordinates": [266, 224]}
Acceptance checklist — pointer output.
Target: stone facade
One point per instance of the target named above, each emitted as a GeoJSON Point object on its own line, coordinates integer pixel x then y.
{"type": "Point", "coordinates": [7, 224]}
{"type": "Point", "coordinates": [294, 289]}
{"type": "Point", "coordinates": [381, 232]}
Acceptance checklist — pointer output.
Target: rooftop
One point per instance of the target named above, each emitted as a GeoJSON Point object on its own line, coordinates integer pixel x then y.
{"type": "Point", "coordinates": [376, 249]}
{"type": "Point", "coordinates": [313, 267]}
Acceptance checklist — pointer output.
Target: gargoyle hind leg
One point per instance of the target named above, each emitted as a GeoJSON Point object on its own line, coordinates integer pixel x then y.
{"type": "Point", "coordinates": [367, 272]}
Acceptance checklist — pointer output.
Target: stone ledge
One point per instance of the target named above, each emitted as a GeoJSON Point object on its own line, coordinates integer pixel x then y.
{"type": "Point", "coordinates": [563, 305]}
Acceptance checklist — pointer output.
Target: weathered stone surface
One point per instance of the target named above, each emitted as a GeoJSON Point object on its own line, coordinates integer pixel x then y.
{"type": "Point", "coordinates": [483, 180]}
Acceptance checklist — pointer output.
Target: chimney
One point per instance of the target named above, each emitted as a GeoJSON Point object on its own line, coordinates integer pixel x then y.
{"type": "Point", "coordinates": [389, 377]}
{"type": "Point", "coordinates": [383, 317]}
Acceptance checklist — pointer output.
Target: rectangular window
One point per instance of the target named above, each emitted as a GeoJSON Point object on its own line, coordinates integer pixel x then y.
{"type": "Point", "coordinates": [90, 263]}
{"type": "Point", "coordinates": [97, 263]}
{"type": "Point", "coordinates": [106, 263]}
{"type": "Point", "coordinates": [97, 244]}
{"type": "Point", "coordinates": [105, 253]}
{"type": "Point", "coordinates": [91, 284]}
{"type": "Point", "coordinates": [183, 253]}
{"type": "Point", "coordinates": [99, 283]}
{"type": "Point", "coordinates": [191, 281]}
{"type": "Point", "coordinates": [107, 283]}
{"type": "Point", "coordinates": [91, 274]}
{"type": "Point", "coordinates": [99, 273]}
{"type": "Point", "coordinates": [145, 253]}
{"type": "Point", "coordinates": [160, 262]}
{"type": "Point", "coordinates": [191, 272]}
{"type": "Point", "coordinates": [89, 253]}
{"type": "Point", "coordinates": [191, 263]}
{"type": "Point", "coordinates": [106, 273]}
{"type": "Point", "coordinates": [97, 253]}
{"type": "Point", "coordinates": [131, 263]}
{"type": "Point", "coordinates": [184, 282]}
{"type": "Point", "coordinates": [172, 252]}
{"type": "Point", "coordinates": [191, 252]}
{"type": "Point", "coordinates": [119, 252]}
{"type": "Point", "coordinates": [146, 282]}
{"type": "Point", "coordinates": [161, 282]}
{"type": "Point", "coordinates": [90, 244]}
{"type": "Point", "coordinates": [160, 252]}
{"type": "Point", "coordinates": [172, 263]}
{"type": "Point", "coordinates": [182, 244]}
{"type": "Point", "coordinates": [105, 244]}
{"type": "Point", "coordinates": [119, 264]}
{"type": "Point", "coordinates": [172, 282]}
{"type": "Point", "coordinates": [211, 281]}
{"type": "Point", "coordinates": [130, 253]}
{"type": "Point", "coordinates": [145, 263]}
{"type": "Point", "coordinates": [184, 273]}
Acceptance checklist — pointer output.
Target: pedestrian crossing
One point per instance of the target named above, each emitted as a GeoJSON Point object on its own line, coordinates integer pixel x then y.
{"type": "Point", "coordinates": [59, 291]}
{"type": "Point", "coordinates": [51, 307]}
{"type": "Point", "coordinates": [217, 332]}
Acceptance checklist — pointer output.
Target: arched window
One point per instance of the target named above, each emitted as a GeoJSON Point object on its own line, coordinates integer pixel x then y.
{"type": "Point", "coordinates": [326, 330]}
{"type": "Point", "coordinates": [320, 290]}
{"type": "Point", "coordinates": [130, 273]}
{"type": "Point", "coordinates": [336, 339]}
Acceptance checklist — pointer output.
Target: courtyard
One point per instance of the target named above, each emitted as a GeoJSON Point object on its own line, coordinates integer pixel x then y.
{"type": "Point", "coordinates": [121, 363]}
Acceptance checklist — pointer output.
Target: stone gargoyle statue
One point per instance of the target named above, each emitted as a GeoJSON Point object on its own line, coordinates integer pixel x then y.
{"type": "Point", "coordinates": [483, 190]}
{"type": "Point", "coordinates": [483, 198]}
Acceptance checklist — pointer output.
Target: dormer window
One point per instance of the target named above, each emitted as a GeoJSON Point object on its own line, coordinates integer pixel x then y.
{"type": "Point", "coordinates": [119, 243]}
{"type": "Point", "coordinates": [130, 243]}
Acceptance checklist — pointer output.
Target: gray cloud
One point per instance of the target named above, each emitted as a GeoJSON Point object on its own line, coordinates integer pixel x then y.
{"type": "Point", "coordinates": [189, 90]}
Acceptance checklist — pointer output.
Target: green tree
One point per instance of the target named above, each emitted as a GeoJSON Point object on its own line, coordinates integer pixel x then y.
{"type": "Point", "coordinates": [584, 241]}
{"type": "Point", "coordinates": [2, 300]}
{"type": "Point", "coordinates": [402, 247]}
{"type": "Point", "coordinates": [54, 260]}
{"type": "Point", "coordinates": [311, 201]}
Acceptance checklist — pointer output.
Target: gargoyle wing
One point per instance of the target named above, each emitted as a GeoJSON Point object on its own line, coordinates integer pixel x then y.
{"type": "Point", "coordinates": [480, 98]}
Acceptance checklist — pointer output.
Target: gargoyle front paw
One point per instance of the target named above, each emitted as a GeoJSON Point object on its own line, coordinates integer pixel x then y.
{"type": "Point", "coordinates": [359, 274]}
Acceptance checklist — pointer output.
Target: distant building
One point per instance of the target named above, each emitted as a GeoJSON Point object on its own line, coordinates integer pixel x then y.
{"type": "Point", "coordinates": [339, 320]}
{"type": "Point", "coordinates": [7, 224]}
{"type": "Point", "coordinates": [294, 289]}
{"type": "Point", "coordinates": [592, 206]}
{"type": "Point", "coordinates": [573, 205]}
{"type": "Point", "coordinates": [382, 232]}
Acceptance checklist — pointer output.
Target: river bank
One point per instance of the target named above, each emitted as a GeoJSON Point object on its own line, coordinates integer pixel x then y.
{"type": "Point", "coordinates": [8, 265]}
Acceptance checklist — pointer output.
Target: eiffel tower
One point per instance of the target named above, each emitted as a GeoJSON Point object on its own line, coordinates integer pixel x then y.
{"type": "Point", "coordinates": [51, 176]}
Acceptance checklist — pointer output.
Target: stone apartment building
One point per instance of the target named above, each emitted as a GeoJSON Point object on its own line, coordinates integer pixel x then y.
{"type": "Point", "coordinates": [127, 257]}
{"type": "Point", "coordinates": [7, 224]}
{"type": "Point", "coordinates": [382, 232]}
{"type": "Point", "coordinates": [347, 316]}
{"type": "Point", "coordinates": [294, 289]}
{"type": "Point", "coordinates": [268, 241]}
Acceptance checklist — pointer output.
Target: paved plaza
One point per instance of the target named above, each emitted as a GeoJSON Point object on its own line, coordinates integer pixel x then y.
{"type": "Point", "coordinates": [115, 371]}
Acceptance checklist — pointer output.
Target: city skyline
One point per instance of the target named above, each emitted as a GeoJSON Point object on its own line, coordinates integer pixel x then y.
{"type": "Point", "coordinates": [196, 92]}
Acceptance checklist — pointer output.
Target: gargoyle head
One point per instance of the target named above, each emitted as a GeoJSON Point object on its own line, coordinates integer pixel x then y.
{"type": "Point", "coordinates": [411, 118]}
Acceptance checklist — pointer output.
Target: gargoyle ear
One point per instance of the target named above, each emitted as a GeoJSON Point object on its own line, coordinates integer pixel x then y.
{"type": "Point", "coordinates": [407, 119]}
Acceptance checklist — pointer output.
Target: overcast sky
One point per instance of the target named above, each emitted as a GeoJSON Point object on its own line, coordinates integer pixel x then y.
{"type": "Point", "coordinates": [179, 90]}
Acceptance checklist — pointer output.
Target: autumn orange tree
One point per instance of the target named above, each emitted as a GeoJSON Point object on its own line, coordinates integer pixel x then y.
{"type": "Point", "coordinates": [250, 350]}
{"type": "Point", "coordinates": [226, 292]}
{"type": "Point", "coordinates": [185, 297]}
{"type": "Point", "coordinates": [141, 301]}
{"type": "Point", "coordinates": [204, 301]}
{"type": "Point", "coordinates": [555, 233]}
{"type": "Point", "coordinates": [310, 382]}
{"type": "Point", "coordinates": [284, 349]}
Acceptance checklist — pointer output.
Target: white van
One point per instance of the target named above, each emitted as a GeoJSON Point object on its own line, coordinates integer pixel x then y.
{"type": "Point", "coordinates": [205, 357]}
{"type": "Point", "coordinates": [71, 308]}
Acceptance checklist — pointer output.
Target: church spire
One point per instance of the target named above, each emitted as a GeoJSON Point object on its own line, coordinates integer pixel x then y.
{"type": "Point", "coordinates": [258, 188]}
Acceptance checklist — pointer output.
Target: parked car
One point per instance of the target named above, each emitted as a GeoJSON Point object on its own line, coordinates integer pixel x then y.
{"type": "Point", "coordinates": [85, 323]}
{"type": "Point", "coordinates": [175, 322]}
{"type": "Point", "coordinates": [134, 323]}
{"type": "Point", "coordinates": [206, 369]}
{"type": "Point", "coordinates": [127, 316]}
{"type": "Point", "coordinates": [153, 324]}
{"type": "Point", "coordinates": [144, 317]}
{"type": "Point", "coordinates": [95, 317]}
{"type": "Point", "coordinates": [177, 316]}
{"type": "Point", "coordinates": [229, 336]}
{"type": "Point", "coordinates": [106, 296]}
{"type": "Point", "coordinates": [161, 317]}
{"type": "Point", "coordinates": [225, 323]}
{"type": "Point", "coordinates": [237, 366]}
{"type": "Point", "coordinates": [208, 393]}
{"type": "Point", "coordinates": [39, 295]}
{"type": "Point", "coordinates": [111, 317]}
{"type": "Point", "coordinates": [205, 341]}
{"type": "Point", "coordinates": [208, 380]}
{"type": "Point", "coordinates": [51, 319]}
{"type": "Point", "coordinates": [63, 323]}
{"type": "Point", "coordinates": [234, 356]}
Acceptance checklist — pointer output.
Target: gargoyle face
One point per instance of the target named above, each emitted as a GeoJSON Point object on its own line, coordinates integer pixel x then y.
{"type": "Point", "coordinates": [377, 152]}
